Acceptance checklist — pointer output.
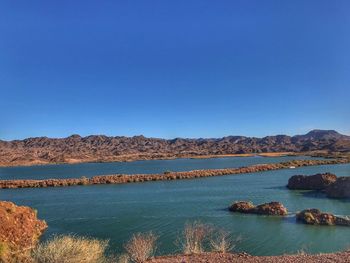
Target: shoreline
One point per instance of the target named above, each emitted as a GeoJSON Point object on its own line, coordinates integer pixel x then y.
{"type": "Point", "coordinates": [134, 158]}
{"type": "Point", "coordinates": [138, 178]}
{"type": "Point", "coordinates": [244, 257]}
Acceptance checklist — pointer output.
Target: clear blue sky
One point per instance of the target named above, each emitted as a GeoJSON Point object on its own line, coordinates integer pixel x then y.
{"type": "Point", "coordinates": [173, 68]}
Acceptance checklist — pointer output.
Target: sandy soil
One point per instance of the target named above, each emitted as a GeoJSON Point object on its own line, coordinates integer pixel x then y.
{"type": "Point", "coordinates": [243, 257]}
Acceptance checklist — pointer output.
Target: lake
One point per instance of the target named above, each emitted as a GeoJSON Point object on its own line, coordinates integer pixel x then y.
{"type": "Point", "coordinates": [115, 212]}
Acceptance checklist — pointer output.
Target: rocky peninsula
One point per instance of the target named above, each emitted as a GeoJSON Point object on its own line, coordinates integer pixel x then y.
{"type": "Point", "coordinates": [137, 178]}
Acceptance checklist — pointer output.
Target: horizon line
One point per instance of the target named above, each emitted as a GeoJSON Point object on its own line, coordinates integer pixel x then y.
{"type": "Point", "coordinates": [168, 139]}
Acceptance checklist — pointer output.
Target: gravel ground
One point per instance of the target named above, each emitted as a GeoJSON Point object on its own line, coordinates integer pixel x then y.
{"type": "Point", "coordinates": [243, 257]}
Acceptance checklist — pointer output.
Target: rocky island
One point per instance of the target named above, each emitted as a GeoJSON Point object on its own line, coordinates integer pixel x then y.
{"type": "Point", "coordinates": [272, 208]}
{"type": "Point", "coordinates": [333, 186]}
{"type": "Point", "coordinates": [316, 217]}
{"type": "Point", "coordinates": [311, 182]}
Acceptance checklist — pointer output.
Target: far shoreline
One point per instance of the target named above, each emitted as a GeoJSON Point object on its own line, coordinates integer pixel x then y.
{"type": "Point", "coordinates": [128, 158]}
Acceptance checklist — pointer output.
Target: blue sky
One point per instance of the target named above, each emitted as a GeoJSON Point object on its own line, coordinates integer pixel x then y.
{"type": "Point", "coordinates": [173, 68]}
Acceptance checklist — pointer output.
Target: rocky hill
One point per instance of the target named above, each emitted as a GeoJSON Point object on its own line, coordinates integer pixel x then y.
{"type": "Point", "coordinates": [100, 148]}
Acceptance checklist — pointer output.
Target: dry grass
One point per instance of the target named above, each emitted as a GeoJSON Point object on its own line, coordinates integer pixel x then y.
{"type": "Point", "coordinates": [123, 258]}
{"type": "Point", "coordinates": [221, 241]}
{"type": "Point", "coordinates": [141, 247]}
{"type": "Point", "coordinates": [70, 249]}
{"type": "Point", "coordinates": [4, 251]}
{"type": "Point", "coordinates": [10, 254]}
{"type": "Point", "coordinates": [194, 237]}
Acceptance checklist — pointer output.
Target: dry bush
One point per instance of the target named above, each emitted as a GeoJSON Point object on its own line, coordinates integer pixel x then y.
{"type": "Point", "coordinates": [221, 241]}
{"type": "Point", "coordinates": [10, 254]}
{"type": "Point", "coordinates": [301, 252]}
{"type": "Point", "coordinates": [4, 251]}
{"type": "Point", "coordinates": [141, 247]}
{"type": "Point", "coordinates": [71, 249]}
{"type": "Point", "coordinates": [194, 237]}
{"type": "Point", "coordinates": [123, 258]}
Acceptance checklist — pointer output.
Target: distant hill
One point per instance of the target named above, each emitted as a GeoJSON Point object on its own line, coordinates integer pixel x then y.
{"type": "Point", "coordinates": [100, 148]}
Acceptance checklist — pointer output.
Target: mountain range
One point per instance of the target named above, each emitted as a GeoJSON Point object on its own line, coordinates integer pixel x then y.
{"type": "Point", "coordinates": [100, 148]}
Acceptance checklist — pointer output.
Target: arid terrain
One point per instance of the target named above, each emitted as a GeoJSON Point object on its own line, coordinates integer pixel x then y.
{"type": "Point", "coordinates": [100, 148]}
{"type": "Point", "coordinates": [240, 258]}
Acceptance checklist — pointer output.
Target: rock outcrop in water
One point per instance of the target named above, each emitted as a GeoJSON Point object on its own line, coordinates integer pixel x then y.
{"type": "Point", "coordinates": [137, 178]}
{"type": "Point", "coordinates": [311, 182]}
{"type": "Point", "coordinates": [316, 217]}
{"type": "Point", "coordinates": [329, 183]}
{"type": "Point", "coordinates": [100, 148]}
{"type": "Point", "coordinates": [272, 208]}
{"type": "Point", "coordinates": [20, 230]}
{"type": "Point", "coordinates": [340, 188]}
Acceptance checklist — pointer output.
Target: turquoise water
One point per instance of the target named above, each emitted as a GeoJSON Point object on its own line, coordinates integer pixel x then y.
{"type": "Point", "coordinates": [154, 166]}
{"type": "Point", "coordinates": [114, 212]}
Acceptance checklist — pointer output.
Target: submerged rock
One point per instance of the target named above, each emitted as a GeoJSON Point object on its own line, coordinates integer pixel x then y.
{"type": "Point", "coordinates": [272, 208]}
{"type": "Point", "coordinates": [20, 229]}
{"type": "Point", "coordinates": [339, 189]}
{"type": "Point", "coordinates": [311, 182]}
{"type": "Point", "coordinates": [316, 217]}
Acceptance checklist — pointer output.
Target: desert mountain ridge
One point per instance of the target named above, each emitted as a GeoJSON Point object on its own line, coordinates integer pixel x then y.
{"type": "Point", "coordinates": [101, 148]}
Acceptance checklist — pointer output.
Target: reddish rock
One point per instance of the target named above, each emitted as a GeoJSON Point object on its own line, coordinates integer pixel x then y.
{"type": "Point", "coordinates": [311, 182]}
{"type": "Point", "coordinates": [242, 207]}
{"type": "Point", "coordinates": [20, 229]}
{"type": "Point", "coordinates": [272, 208]}
{"type": "Point", "coordinates": [316, 217]}
{"type": "Point", "coordinates": [340, 189]}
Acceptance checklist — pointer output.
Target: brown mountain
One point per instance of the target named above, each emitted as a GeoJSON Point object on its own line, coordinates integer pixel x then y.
{"type": "Point", "coordinates": [100, 148]}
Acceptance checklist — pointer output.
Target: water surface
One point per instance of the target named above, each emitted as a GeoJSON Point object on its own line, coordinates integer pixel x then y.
{"type": "Point", "coordinates": [115, 212]}
{"type": "Point", "coordinates": [150, 166]}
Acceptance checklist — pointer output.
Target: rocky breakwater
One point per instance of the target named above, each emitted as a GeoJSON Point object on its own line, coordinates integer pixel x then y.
{"type": "Point", "coordinates": [123, 178]}
{"type": "Point", "coordinates": [316, 217]}
{"type": "Point", "coordinates": [312, 182]}
{"type": "Point", "coordinates": [272, 208]}
{"type": "Point", "coordinates": [340, 188]}
{"type": "Point", "coordinates": [20, 230]}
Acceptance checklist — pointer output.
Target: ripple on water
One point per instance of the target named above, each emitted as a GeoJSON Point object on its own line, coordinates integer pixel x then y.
{"type": "Point", "coordinates": [114, 212]}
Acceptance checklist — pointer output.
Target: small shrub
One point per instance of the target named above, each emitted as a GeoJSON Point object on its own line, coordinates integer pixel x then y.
{"type": "Point", "coordinates": [221, 241]}
{"type": "Point", "coordinates": [123, 258]}
{"type": "Point", "coordinates": [303, 250]}
{"type": "Point", "coordinates": [71, 249]}
{"type": "Point", "coordinates": [167, 172]}
{"type": "Point", "coordinates": [4, 251]}
{"type": "Point", "coordinates": [194, 237]}
{"type": "Point", "coordinates": [141, 247]}
{"type": "Point", "coordinates": [10, 254]}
